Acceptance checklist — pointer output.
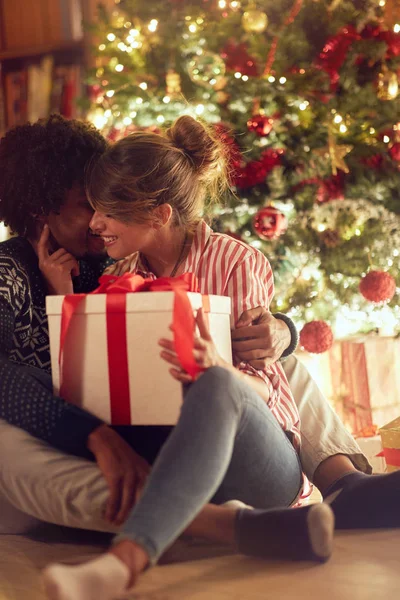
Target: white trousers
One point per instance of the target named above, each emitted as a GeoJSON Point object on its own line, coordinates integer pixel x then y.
{"type": "Point", "coordinates": [39, 483]}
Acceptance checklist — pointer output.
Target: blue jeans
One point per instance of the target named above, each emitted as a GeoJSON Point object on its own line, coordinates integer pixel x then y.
{"type": "Point", "coordinates": [226, 445]}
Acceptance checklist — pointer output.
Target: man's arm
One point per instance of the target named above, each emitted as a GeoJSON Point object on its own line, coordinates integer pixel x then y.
{"type": "Point", "coordinates": [261, 338]}
{"type": "Point", "coordinates": [26, 400]}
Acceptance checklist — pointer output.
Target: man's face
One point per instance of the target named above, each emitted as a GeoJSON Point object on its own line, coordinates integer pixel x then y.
{"type": "Point", "coordinates": [69, 228]}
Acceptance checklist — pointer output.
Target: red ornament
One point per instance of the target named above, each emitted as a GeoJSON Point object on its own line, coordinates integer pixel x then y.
{"type": "Point", "coordinates": [256, 171]}
{"type": "Point", "coordinates": [394, 152]}
{"type": "Point", "coordinates": [378, 287]}
{"type": "Point", "coordinates": [269, 223]}
{"type": "Point", "coordinates": [260, 124]}
{"type": "Point", "coordinates": [316, 337]}
{"type": "Point", "coordinates": [238, 59]}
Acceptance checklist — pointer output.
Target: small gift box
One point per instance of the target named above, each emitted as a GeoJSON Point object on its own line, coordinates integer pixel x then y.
{"type": "Point", "coordinates": [104, 347]}
{"type": "Point", "coordinates": [366, 380]}
{"type": "Point", "coordinates": [390, 435]}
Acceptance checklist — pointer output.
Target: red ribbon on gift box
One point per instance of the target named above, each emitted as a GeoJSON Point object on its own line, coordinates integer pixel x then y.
{"type": "Point", "coordinates": [116, 289]}
{"type": "Point", "coordinates": [392, 456]}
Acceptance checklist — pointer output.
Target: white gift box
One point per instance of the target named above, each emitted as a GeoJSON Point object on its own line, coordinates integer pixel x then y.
{"type": "Point", "coordinates": [155, 396]}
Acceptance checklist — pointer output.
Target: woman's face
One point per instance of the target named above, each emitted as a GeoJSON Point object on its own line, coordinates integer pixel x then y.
{"type": "Point", "coordinates": [121, 239]}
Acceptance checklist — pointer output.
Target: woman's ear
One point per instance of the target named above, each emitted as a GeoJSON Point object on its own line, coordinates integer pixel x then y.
{"type": "Point", "coordinates": [162, 215]}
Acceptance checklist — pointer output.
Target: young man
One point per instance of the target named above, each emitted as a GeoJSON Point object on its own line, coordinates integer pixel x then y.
{"type": "Point", "coordinates": [48, 441]}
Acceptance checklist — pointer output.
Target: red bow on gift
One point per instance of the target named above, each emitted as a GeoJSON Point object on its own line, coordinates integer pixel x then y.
{"type": "Point", "coordinates": [116, 289]}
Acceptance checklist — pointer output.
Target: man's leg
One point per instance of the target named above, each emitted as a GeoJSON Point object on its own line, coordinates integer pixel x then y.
{"type": "Point", "coordinates": [328, 450]}
{"type": "Point", "coordinates": [40, 483]}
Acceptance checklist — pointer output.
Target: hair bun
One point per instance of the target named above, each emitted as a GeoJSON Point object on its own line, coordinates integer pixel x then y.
{"type": "Point", "coordinates": [198, 143]}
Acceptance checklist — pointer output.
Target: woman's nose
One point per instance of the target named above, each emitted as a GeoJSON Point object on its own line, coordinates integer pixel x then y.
{"type": "Point", "coordinates": [96, 224]}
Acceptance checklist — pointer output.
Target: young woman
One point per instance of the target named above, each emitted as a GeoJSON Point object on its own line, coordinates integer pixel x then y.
{"type": "Point", "coordinates": [238, 432]}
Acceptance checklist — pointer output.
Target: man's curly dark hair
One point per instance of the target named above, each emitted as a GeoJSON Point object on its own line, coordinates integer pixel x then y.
{"type": "Point", "coordinates": [39, 163]}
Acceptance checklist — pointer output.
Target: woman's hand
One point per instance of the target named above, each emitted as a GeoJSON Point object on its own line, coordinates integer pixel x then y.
{"type": "Point", "coordinates": [124, 470]}
{"type": "Point", "coordinates": [58, 267]}
{"type": "Point", "coordinates": [259, 339]}
{"type": "Point", "coordinates": [205, 353]}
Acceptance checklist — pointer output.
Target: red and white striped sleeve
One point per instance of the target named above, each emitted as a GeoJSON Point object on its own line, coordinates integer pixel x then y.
{"type": "Point", "coordinates": [251, 284]}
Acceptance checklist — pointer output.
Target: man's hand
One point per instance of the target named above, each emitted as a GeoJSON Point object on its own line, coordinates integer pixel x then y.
{"type": "Point", "coordinates": [259, 339]}
{"type": "Point", "coordinates": [123, 469]}
{"type": "Point", "coordinates": [58, 267]}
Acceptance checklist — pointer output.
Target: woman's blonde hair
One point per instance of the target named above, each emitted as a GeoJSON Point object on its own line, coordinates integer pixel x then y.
{"type": "Point", "coordinates": [184, 167]}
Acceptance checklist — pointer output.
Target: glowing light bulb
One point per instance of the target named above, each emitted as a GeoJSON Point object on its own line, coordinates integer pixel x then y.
{"type": "Point", "coordinates": [160, 119]}
{"type": "Point", "coordinates": [222, 3]}
{"type": "Point", "coordinates": [396, 28]}
{"type": "Point", "coordinates": [338, 119]}
{"type": "Point", "coordinates": [342, 128]}
{"type": "Point", "coordinates": [111, 37]}
{"type": "Point", "coordinates": [282, 80]}
{"type": "Point", "coordinates": [102, 47]}
{"type": "Point", "coordinates": [271, 79]}
{"type": "Point", "coordinates": [192, 28]}
{"type": "Point", "coordinates": [199, 109]}
{"type": "Point", "coordinates": [166, 99]}
{"type": "Point", "coordinates": [143, 85]}
{"type": "Point", "coordinates": [152, 26]}
{"type": "Point", "coordinates": [110, 93]}
{"type": "Point", "coordinates": [127, 121]}
{"type": "Point", "coordinates": [386, 139]}
{"type": "Point", "coordinates": [245, 77]}
{"type": "Point", "coordinates": [238, 75]}
{"type": "Point", "coordinates": [119, 68]}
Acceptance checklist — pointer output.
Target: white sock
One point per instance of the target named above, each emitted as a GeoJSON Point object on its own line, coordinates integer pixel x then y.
{"type": "Point", "coordinates": [104, 578]}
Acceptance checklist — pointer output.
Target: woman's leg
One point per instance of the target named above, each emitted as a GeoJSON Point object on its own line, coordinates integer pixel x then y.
{"type": "Point", "coordinates": [226, 442]}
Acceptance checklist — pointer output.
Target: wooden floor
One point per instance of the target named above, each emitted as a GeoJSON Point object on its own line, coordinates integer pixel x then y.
{"type": "Point", "coordinates": [365, 566]}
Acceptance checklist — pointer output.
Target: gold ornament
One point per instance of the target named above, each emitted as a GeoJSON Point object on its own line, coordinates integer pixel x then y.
{"type": "Point", "coordinates": [337, 152]}
{"type": "Point", "coordinates": [388, 85]}
{"type": "Point", "coordinates": [254, 20]}
{"type": "Point", "coordinates": [221, 97]}
{"type": "Point", "coordinates": [173, 83]}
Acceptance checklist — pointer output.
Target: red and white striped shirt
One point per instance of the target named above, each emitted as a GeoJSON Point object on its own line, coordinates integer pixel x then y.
{"type": "Point", "coordinates": [227, 267]}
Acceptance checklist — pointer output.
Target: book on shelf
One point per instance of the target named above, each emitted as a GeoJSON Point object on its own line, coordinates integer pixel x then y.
{"type": "Point", "coordinates": [16, 88]}
{"type": "Point", "coordinates": [39, 89]}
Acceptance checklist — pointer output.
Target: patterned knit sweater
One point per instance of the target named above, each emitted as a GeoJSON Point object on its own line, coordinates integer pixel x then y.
{"type": "Point", "coordinates": [24, 343]}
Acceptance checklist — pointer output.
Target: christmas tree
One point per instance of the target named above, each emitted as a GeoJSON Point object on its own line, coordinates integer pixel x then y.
{"type": "Point", "coordinates": [305, 95]}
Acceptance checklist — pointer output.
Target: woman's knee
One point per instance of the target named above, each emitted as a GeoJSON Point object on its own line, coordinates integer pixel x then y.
{"type": "Point", "coordinates": [217, 386]}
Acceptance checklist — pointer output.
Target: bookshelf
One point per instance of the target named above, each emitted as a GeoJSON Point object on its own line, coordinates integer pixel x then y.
{"type": "Point", "coordinates": [43, 53]}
